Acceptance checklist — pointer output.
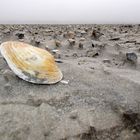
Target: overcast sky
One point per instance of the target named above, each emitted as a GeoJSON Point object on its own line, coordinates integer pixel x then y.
{"type": "Point", "coordinates": [69, 11]}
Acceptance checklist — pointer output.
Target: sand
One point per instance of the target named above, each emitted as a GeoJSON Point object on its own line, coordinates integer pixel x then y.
{"type": "Point", "coordinates": [99, 97]}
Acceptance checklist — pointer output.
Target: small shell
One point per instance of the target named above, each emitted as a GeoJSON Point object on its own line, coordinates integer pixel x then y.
{"type": "Point", "coordinates": [30, 63]}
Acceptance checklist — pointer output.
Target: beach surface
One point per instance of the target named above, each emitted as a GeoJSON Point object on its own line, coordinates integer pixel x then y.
{"type": "Point", "coordinates": [99, 96]}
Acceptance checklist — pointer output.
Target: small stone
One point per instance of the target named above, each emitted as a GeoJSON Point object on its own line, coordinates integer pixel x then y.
{"type": "Point", "coordinates": [106, 61]}
{"type": "Point", "coordinates": [92, 68]}
{"type": "Point", "coordinates": [37, 43]}
{"type": "Point", "coordinates": [57, 55]}
{"type": "Point", "coordinates": [81, 45]}
{"type": "Point", "coordinates": [134, 131]}
{"type": "Point", "coordinates": [64, 81]}
{"type": "Point", "coordinates": [48, 31]}
{"type": "Point", "coordinates": [75, 55]}
{"type": "Point", "coordinates": [79, 63]}
{"type": "Point", "coordinates": [34, 102]}
{"type": "Point", "coordinates": [83, 32]}
{"type": "Point", "coordinates": [132, 57]}
{"type": "Point", "coordinates": [20, 35]}
{"type": "Point", "coordinates": [58, 61]}
{"type": "Point", "coordinates": [92, 53]}
{"type": "Point", "coordinates": [71, 34]}
{"type": "Point", "coordinates": [96, 34]}
{"type": "Point", "coordinates": [57, 43]}
{"type": "Point", "coordinates": [97, 44]}
{"type": "Point", "coordinates": [71, 41]}
{"type": "Point", "coordinates": [115, 39]}
{"type": "Point", "coordinates": [47, 48]}
{"type": "Point", "coordinates": [82, 39]}
{"type": "Point", "coordinates": [73, 115]}
{"type": "Point", "coordinates": [65, 35]}
{"type": "Point", "coordinates": [55, 51]}
{"type": "Point", "coordinates": [66, 55]}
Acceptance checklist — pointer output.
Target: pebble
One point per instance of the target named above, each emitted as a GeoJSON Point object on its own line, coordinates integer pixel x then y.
{"type": "Point", "coordinates": [48, 31]}
{"type": "Point", "coordinates": [65, 35]}
{"type": "Point", "coordinates": [132, 57]}
{"type": "Point", "coordinates": [92, 68]}
{"type": "Point", "coordinates": [71, 41]}
{"type": "Point", "coordinates": [57, 55]}
{"type": "Point", "coordinates": [97, 44]}
{"type": "Point", "coordinates": [82, 39]}
{"type": "Point", "coordinates": [93, 33]}
{"type": "Point", "coordinates": [131, 41]}
{"type": "Point", "coordinates": [58, 61]}
{"type": "Point", "coordinates": [64, 81]}
{"type": "Point", "coordinates": [75, 54]}
{"type": "Point", "coordinates": [106, 61]}
{"type": "Point", "coordinates": [115, 39]}
{"type": "Point", "coordinates": [47, 48]}
{"type": "Point", "coordinates": [66, 55]}
{"type": "Point", "coordinates": [96, 34]}
{"type": "Point", "coordinates": [71, 34]}
{"type": "Point", "coordinates": [92, 53]}
{"type": "Point", "coordinates": [37, 43]}
{"type": "Point", "coordinates": [57, 43]}
{"type": "Point", "coordinates": [80, 45]}
{"type": "Point", "coordinates": [83, 32]}
{"type": "Point", "coordinates": [73, 115]}
{"type": "Point", "coordinates": [134, 131]}
{"type": "Point", "coordinates": [55, 51]}
{"type": "Point", "coordinates": [20, 35]}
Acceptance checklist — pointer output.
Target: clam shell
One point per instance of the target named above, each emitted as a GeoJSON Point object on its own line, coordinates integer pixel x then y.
{"type": "Point", "coordinates": [30, 63]}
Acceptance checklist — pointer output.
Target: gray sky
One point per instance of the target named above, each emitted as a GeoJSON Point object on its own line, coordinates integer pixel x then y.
{"type": "Point", "coordinates": [69, 11]}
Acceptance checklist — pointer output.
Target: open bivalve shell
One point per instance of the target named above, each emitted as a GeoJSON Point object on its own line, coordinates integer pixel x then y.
{"type": "Point", "coordinates": [30, 63]}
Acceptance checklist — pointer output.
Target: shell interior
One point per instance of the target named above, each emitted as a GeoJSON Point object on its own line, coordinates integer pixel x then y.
{"type": "Point", "coordinates": [30, 63]}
